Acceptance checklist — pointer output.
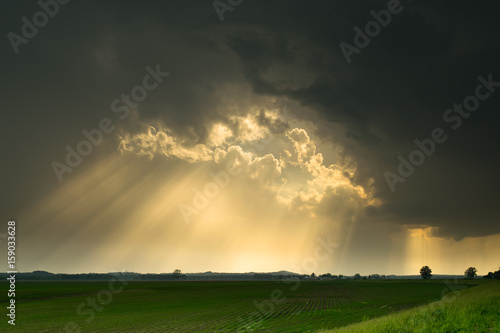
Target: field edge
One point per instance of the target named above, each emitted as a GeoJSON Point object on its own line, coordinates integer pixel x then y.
{"type": "Point", "coordinates": [475, 309]}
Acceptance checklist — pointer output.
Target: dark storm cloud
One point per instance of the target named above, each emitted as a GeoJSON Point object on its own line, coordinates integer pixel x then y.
{"type": "Point", "coordinates": [426, 60]}
{"type": "Point", "coordinates": [65, 78]}
{"type": "Point", "coordinates": [393, 92]}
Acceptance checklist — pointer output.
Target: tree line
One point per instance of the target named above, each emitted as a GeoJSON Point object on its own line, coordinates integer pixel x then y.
{"type": "Point", "coordinates": [469, 273]}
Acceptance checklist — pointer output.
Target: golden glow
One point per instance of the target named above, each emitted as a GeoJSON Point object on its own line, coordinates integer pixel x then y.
{"type": "Point", "coordinates": [447, 256]}
{"type": "Point", "coordinates": [124, 211]}
{"type": "Point", "coordinates": [219, 134]}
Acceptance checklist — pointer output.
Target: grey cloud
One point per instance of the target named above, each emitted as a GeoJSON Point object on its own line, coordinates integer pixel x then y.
{"type": "Point", "coordinates": [396, 90]}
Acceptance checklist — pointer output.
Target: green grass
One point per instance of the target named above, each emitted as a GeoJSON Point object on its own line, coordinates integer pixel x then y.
{"type": "Point", "coordinates": [473, 310]}
{"type": "Point", "coordinates": [229, 306]}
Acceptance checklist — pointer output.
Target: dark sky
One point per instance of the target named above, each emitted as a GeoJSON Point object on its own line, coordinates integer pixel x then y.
{"type": "Point", "coordinates": [231, 76]}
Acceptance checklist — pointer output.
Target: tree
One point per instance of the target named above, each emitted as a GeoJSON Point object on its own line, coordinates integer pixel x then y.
{"type": "Point", "coordinates": [493, 275]}
{"type": "Point", "coordinates": [177, 274]}
{"type": "Point", "coordinates": [425, 272]}
{"type": "Point", "coordinates": [357, 276]}
{"type": "Point", "coordinates": [470, 272]}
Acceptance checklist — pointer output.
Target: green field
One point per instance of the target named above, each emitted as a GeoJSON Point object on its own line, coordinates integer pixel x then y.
{"type": "Point", "coordinates": [246, 306]}
{"type": "Point", "coordinates": [473, 310]}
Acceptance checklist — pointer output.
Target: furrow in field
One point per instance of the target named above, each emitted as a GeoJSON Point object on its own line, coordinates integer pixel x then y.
{"type": "Point", "coordinates": [229, 321]}
{"type": "Point", "coordinates": [287, 308]}
{"type": "Point", "coordinates": [295, 307]}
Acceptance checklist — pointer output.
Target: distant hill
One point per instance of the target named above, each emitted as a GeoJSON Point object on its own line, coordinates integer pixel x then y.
{"type": "Point", "coordinates": [206, 276]}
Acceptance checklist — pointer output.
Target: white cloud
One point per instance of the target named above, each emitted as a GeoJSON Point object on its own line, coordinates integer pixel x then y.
{"type": "Point", "coordinates": [294, 171]}
{"type": "Point", "coordinates": [158, 142]}
{"type": "Point", "coordinates": [219, 134]}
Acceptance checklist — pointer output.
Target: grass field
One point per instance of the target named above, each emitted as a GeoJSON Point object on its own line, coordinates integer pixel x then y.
{"type": "Point", "coordinates": [474, 310]}
{"type": "Point", "coordinates": [249, 306]}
